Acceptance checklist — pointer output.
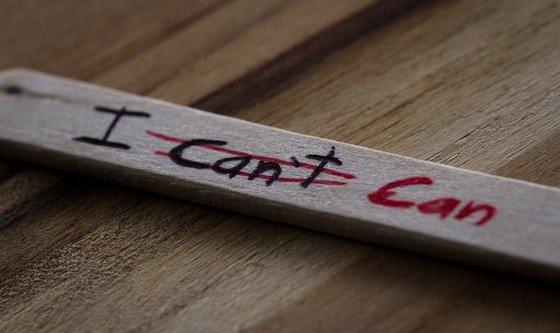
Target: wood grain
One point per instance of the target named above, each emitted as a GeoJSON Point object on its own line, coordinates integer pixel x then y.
{"type": "Point", "coordinates": [499, 223]}
{"type": "Point", "coordinates": [466, 83]}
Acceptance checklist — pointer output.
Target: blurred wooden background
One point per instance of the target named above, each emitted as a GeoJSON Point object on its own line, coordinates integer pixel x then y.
{"type": "Point", "coordinates": [470, 83]}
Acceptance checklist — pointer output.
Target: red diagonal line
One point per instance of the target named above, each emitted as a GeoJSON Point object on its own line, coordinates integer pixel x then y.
{"type": "Point", "coordinates": [280, 179]}
{"type": "Point", "coordinates": [257, 157]}
{"type": "Point", "coordinates": [164, 137]}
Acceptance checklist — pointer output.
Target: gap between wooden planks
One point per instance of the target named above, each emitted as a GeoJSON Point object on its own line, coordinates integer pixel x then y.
{"type": "Point", "coordinates": [348, 190]}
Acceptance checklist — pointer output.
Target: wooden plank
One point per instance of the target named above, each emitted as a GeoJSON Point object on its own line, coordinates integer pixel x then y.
{"type": "Point", "coordinates": [80, 39]}
{"type": "Point", "coordinates": [148, 69]}
{"type": "Point", "coordinates": [94, 256]}
{"type": "Point", "coordinates": [309, 30]}
{"type": "Point", "coordinates": [325, 185]}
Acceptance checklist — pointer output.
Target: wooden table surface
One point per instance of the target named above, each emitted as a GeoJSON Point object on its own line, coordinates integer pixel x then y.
{"type": "Point", "coordinates": [469, 83]}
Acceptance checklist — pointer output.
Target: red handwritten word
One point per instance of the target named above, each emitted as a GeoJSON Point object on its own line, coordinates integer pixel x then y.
{"type": "Point", "coordinates": [443, 207]}
{"type": "Point", "coordinates": [243, 158]}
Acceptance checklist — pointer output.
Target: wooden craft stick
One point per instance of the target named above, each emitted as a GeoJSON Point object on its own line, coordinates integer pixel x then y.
{"type": "Point", "coordinates": [383, 198]}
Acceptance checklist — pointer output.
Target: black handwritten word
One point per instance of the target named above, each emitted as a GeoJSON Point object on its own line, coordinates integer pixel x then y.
{"type": "Point", "coordinates": [268, 168]}
{"type": "Point", "coordinates": [13, 90]}
{"type": "Point", "coordinates": [176, 155]}
{"type": "Point", "coordinates": [104, 141]}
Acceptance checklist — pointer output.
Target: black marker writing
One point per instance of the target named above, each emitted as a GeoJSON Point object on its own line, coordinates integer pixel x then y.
{"type": "Point", "coordinates": [234, 170]}
{"type": "Point", "coordinates": [104, 141]}
{"type": "Point", "coordinates": [263, 167]}
{"type": "Point", "coordinates": [268, 168]}
{"type": "Point", "coordinates": [295, 162]}
{"type": "Point", "coordinates": [329, 158]}
{"type": "Point", "coordinates": [176, 154]}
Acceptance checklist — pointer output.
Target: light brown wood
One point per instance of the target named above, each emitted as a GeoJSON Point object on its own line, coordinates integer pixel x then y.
{"type": "Point", "coordinates": [308, 181]}
{"type": "Point", "coordinates": [466, 83]}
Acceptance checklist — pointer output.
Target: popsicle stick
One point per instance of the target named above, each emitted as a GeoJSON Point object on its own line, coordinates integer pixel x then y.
{"type": "Point", "coordinates": [495, 222]}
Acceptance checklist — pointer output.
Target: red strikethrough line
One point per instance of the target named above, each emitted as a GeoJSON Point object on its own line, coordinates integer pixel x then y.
{"type": "Point", "coordinates": [280, 179]}
{"type": "Point", "coordinates": [257, 157]}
